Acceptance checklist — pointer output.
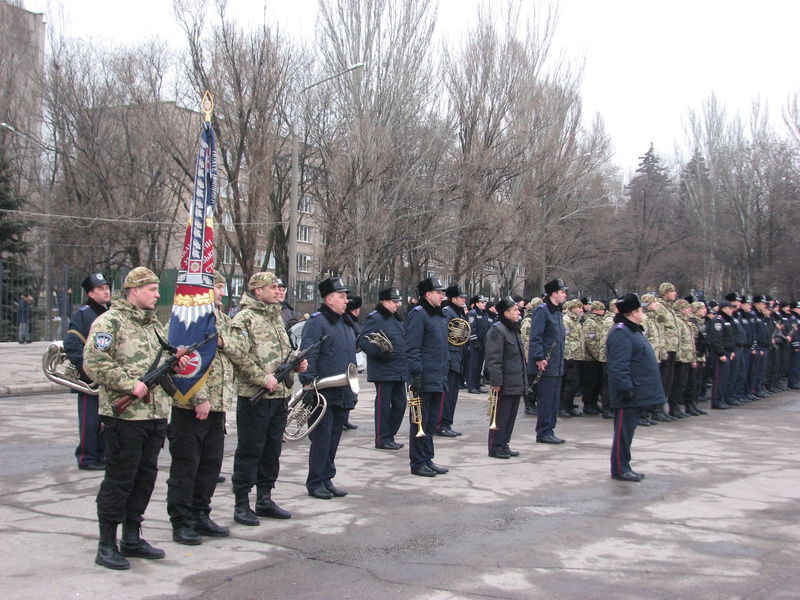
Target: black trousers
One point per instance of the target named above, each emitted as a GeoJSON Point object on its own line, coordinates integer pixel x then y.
{"type": "Point", "coordinates": [591, 383]}
{"type": "Point", "coordinates": [743, 358]}
{"type": "Point", "coordinates": [625, 421]}
{"type": "Point", "coordinates": [720, 381]}
{"type": "Point", "coordinates": [324, 444]}
{"type": "Point", "coordinates": [571, 383]}
{"type": "Point", "coordinates": [477, 353]}
{"type": "Point", "coordinates": [506, 416]}
{"type": "Point", "coordinates": [260, 430]}
{"type": "Point", "coordinates": [547, 407]}
{"type": "Point", "coordinates": [196, 448]}
{"type": "Point", "coordinates": [680, 380]}
{"type": "Point", "coordinates": [692, 392]}
{"type": "Point", "coordinates": [132, 449]}
{"type": "Point", "coordinates": [390, 406]}
{"type": "Point", "coordinates": [92, 445]}
{"type": "Point", "coordinates": [420, 449]}
{"type": "Point", "coordinates": [667, 368]}
{"type": "Point", "coordinates": [448, 411]}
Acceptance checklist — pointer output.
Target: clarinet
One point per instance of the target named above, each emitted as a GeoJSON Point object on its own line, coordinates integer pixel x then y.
{"type": "Point", "coordinates": [547, 358]}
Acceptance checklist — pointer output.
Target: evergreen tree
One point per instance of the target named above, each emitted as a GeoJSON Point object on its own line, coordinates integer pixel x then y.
{"type": "Point", "coordinates": [14, 275]}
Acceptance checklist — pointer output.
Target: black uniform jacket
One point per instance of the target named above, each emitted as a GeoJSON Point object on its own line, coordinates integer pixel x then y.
{"type": "Point", "coordinates": [426, 346]}
{"type": "Point", "coordinates": [78, 331]}
{"type": "Point", "coordinates": [384, 366]}
{"type": "Point", "coordinates": [721, 335]}
{"type": "Point", "coordinates": [632, 367]}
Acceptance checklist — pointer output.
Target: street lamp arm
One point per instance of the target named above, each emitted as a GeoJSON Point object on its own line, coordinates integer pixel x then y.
{"type": "Point", "coordinates": [334, 76]}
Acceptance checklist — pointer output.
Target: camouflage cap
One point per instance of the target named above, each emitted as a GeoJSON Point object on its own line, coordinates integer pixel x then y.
{"type": "Point", "coordinates": [570, 304]}
{"type": "Point", "coordinates": [535, 302]}
{"type": "Point", "coordinates": [219, 277]}
{"type": "Point", "coordinates": [138, 277]}
{"type": "Point", "coordinates": [597, 305]}
{"type": "Point", "coordinates": [681, 304]}
{"type": "Point", "coordinates": [648, 299]}
{"type": "Point", "coordinates": [261, 279]}
{"type": "Point", "coordinates": [665, 288]}
{"type": "Point", "coordinates": [698, 305]}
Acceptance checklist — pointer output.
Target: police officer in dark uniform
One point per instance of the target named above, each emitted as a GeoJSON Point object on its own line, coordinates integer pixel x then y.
{"type": "Point", "coordinates": [453, 308]}
{"type": "Point", "coordinates": [761, 344]}
{"type": "Point", "coordinates": [91, 447]}
{"type": "Point", "coordinates": [546, 354]}
{"type": "Point", "coordinates": [793, 375]}
{"type": "Point", "coordinates": [351, 318]}
{"type": "Point", "coordinates": [733, 396]}
{"type": "Point", "coordinates": [479, 321]}
{"type": "Point", "coordinates": [386, 368]}
{"type": "Point", "coordinates": [634, 381]}
{"type": "Point", "coordinates": [722, 342]}
{"type": "Point", "coordinates": [333, 357]}
{"type": "Point", "coordinates": [426, 361]}
{"type": "Point", "coordinates": [508, 375]}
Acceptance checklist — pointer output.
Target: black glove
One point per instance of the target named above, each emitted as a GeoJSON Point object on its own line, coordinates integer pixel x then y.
{"type": "Point", "coordinates": [626, 396]}
{"type": "Point", "coordinates": [416, 385]}
{"type": "Point", "coordinates": [309, 397]}
{"type": "Point", "coordinates": [386, 354]}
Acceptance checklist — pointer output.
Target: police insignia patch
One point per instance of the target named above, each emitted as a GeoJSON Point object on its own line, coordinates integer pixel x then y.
{"type": "Point", "coordinates": [102, 341]}
{"type": "Point", "coordinates": [591, 334]}
{"type": "Point", "coordinates": [718, 326]}
{"type": "Point", "coordinates": [566, 331]}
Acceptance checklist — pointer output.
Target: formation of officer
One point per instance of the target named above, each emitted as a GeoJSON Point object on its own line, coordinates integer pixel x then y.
{"type": "Point", "coordinates": [508, 377]}
{"type": "Point", "coordinates": [383, 341]}
{"type": "Point", "coordinates": [260, 425]}
{"type": "Point", "coordinates": [332, 357]}
{"type": "Point", "coordinates": [427, 365]}
{"type": "Point", "coordinates": [122, 344]}
{"type": "Point", "coordinates": [90, 452]}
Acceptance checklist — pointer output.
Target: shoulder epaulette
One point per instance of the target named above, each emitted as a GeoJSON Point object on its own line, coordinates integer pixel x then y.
{"type": "Point", "coordinates": [619, 326]}
{"type": "Point", "coordinates": [84, 307]}
{"type": "Point", "coordinates": [417, 307]}
{"type": "Point", "coordinates": [316, 314]}
{"type": "Point", "coordinates": [372, 313]}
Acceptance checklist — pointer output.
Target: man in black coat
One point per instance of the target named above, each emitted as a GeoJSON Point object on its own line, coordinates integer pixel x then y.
{"type": "Point", "coordinates": [386, 368]}
{"type": "Point", "coordinates": [508, 375]}
{"type": "Point", "coordinates": [479, 321]}
{"type": "Point", "coordinates": [453, 308]}
{"type": "Point", "coordinates": [546, 355]}
{"type": "Point", "coordinates": [91, 447]}
{"type": "Point", "coordinates": [351, 318]}
{"type": "Point", "coordinates": [722, 342]}
{"type": "Point", "coordinates": [634, 381]}
{"type": "Point", "coordinates": [333, 357]}
{"type": "Point", "coordinates": [426, 361]}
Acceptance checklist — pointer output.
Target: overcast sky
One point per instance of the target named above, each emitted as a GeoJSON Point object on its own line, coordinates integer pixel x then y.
{"type": "Point", "coordinates": [647, 62]}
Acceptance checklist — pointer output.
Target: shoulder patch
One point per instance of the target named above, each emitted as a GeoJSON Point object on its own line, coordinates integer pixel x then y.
{"type": "Point", "coordinates": [316, 314]}
{"type": "Point", "coordinates": [417, 307]}
{"type": "Point", "coordinates": [718, 326]}
{"type": "Point", "coordinates": [84, 307]}
{"type": "Point", "coordinates": [567, 330]}
{"type": "Point", "coordinates": [102, 341]}
{"type": "Point", "coordinates": [372, 313]}
{"type": "Point", "coordinates": [591, 334]}
{"type": "Point", "coordinates": [619, 326]}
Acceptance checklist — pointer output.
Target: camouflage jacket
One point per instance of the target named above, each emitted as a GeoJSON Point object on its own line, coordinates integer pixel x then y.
{"type": "Point", "coordinates": [593, 332]}
{"type": "Point", "coordinates": [686, 350]}
{"type": "Point", "coordinates": [525, 334]}
{"type": "Point", "coordinates": [667, 319]}
{"type": "Point", "coordinates": [265, 346]}
{"type": "Point", "coordinates": [220, 386]}
{"type": "Point", "coordinates": [652, 331]}
{"type": "Point", "coordinates": [120, 348]}
{"type": "Point", "coordinates": [697, 327]}
{"type": "Point", "coordinates": [574, 343]}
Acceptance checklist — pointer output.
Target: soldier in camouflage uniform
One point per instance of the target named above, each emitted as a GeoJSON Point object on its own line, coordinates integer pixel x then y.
{"type": "Point", "coordinates": [593, 372]}
{"type": "Point", "coordinates": [121, 346]}
{"type": "Point", "coordinates": [654, 335]}
{"type": "Point", "coordinates": [531, 392]}
{"type": "Point", "coordinates": [668, 321]}
{"type": "Point", "coordinates": [697, 323]}
{"type": "Point", "coordinates": [260, 426]}
{"type": "Point", "coordinates": [574, 353]}
{"type": "Point", "coordinates": [197, 437]}
{"type": "Point", "coordinates": [685, 359]}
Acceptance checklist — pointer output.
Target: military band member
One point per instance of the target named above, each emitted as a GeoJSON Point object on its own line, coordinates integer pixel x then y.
{"type": "Point", "coordinates": [508, 376]}
{"type": "Point", "coordinates": [634, 382]}
{"type": "Point", "coordinates": [260, 426]}
{"type": "Point", "coordinates": [123, 342]}
{"type": "Point", "coordinates": [333, 357]}
{"type": "Point", "coordinates": [479, 322]}
{"type": "Point", "coordinates": [386, 368]}
{"type": "Point", "coordinates": [351, 318]}
{"type": "Point", "coordinates": [426, 361]}
{"type": "Point", "coordinates": [197, 437]}
{"type": "Point", "coordinates": [546, 355]}
{"type": "Point", "coordinates": [91, 448]}
{"type": "Point", "coordinates": [454, 307]}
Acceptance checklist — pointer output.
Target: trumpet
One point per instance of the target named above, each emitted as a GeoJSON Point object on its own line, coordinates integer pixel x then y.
{"type": "Point", "coordinates": [458, 331]}
{"type": "Point", "coordinates": [59, 369]}
{"type": "Point", "coordinates": [415, 411]}
{"type": "Point", "coordinates": [305, 416]}
{"type": "Point", "coordinates": [491, 412]}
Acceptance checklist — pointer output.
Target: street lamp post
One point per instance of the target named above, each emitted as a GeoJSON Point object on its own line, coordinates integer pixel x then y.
{"type": "Point", "coordinates": [48, 292]}
{"type": "Point", "coordinates": [295, 195]}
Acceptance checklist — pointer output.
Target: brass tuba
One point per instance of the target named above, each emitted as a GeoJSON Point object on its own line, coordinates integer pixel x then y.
{"type": "Point", "coordinates": [59, 369]}
{"type": "Point", "coordinates": [299, 423]}
{"type": "Point", "coordinates": [458, 331]}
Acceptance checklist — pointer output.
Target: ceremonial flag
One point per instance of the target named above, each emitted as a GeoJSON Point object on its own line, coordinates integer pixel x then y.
{"type": "Point", "coordinates": [193, 309]}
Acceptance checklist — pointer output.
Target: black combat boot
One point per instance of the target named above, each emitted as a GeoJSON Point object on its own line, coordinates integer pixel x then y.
{"type": "Point", "coordinates": [133, 545]}
{"type": "Point", "coordinates": [107, 554]}
{"type": "Point", "coordinates": [266, 507]}
{"type": "Point", "coordinates": [242, 513]}
{"type": "Point", "coordinates": [676, 412]}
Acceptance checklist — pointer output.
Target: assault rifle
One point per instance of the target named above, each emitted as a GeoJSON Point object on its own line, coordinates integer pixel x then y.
{"type": "Point", "coordinates": [287, 367]}
{"type": "Point", "coordinates": [159, 374]}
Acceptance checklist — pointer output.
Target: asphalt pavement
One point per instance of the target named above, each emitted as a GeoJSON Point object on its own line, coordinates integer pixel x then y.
{"type": "Point", "coordinates": [716, 516]}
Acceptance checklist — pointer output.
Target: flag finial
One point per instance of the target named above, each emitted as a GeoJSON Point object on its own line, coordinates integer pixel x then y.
{"type": "Point", "coordinates": [207, 105]}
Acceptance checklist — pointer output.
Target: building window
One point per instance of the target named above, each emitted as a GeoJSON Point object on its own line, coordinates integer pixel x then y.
{"type": "Point", "coordinates": [520, 271]}
{"type": "Point", "coordinates": [304, 205]}
{"type": "Point", "coordinates": [235, 287]}
{"type": "Point", "coordinates": [304, 233]}
{"type": "Point", "coordinates": [227, 255]}
{"type": "Point", "coordinates": [303, 263]}
{"type": "Point", "coordinates": [260, 256]}
{"type": "Point", "coordinates": [271, 263]}
{"type": "Point", "coordinates": [305, 291]}
{"type": "Point", "coordinates": [227, 221]}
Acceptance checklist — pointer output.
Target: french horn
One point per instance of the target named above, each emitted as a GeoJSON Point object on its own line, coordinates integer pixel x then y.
{"type": "Point", "coordinates": [59, 369]}
{"type": "Point", "coordinates": [305, 416]}
{"type": "Point", "coordinates": [458, 331]}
